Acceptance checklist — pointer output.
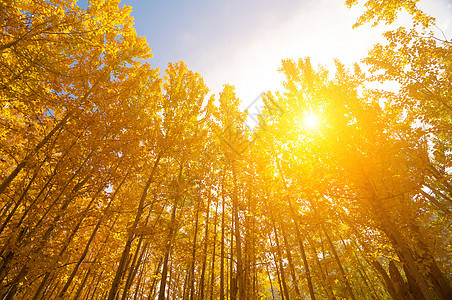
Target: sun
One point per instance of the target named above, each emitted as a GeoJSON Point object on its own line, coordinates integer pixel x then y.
{"type": "Point", "coordinates": [310, 121]}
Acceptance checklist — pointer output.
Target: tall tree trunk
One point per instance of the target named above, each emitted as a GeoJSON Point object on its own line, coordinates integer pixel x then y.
{"type": "Point", "coordinates": [279, 260]}
{"type": "Point", "coordinates": [235, 207]}
{"type": "Point", "coordinates": [373, 262]}
{"type": "Point", "coordinates": [271, 282]}
{"type": "Point", "coordinates": [212, 272]}
{"type": "Point", "coordinates": [53, 174]}
{"type": "Point", "coordinates": [403, 250]}
{"type": "Point", "coordinates": [135, 263]}
{"type": "Point", "coordinates": [29, 156]}
{"type": "Point", "coordinates": [168, 244]}
{"type": "Point", "coordinates": [232, 277]}
{"type": "Point", "coordinates": [361, 270]}
{"type": "Point", "coordinates": [63, 250]}
{"type": "Point", "coordinates": [191, 278]}
{"type": "Point", "coordinates": [325, 281]}
{"type": "Point", "coordinates": [438, 281]}
{"type": "Point", "coordinates": [400, 286]}
{"type": "Point", "coordinates": [82, 284]}
{"type": "Point", "coordinates": [170, 280]}
{"type": "Point", "coordinates": [88, 244]}
{"type": "Point", "coordinates": [20, 199]}
{"type": "Point", "coordinates": [291, 265]}
{"type": "Point", "coordinates": [204, 258]}
{"type": "Point", "coordinates": [297, 230]}
{"type": "Point", "coordinates": [43, 241]}
{"type": "Point", "coordinates": [338, 261]}
{"type": "Point", "coordinates": [89, 286]}
{"type": "Point", "coordinates": [140, 278]}
{"type": "Point", "coordinates": [223, 200]}
{"type": "Point", "coordinates": [122, 263]}
{"type": "Point", "coordinates": [96, 286]}
{"type": "Point", "coordinates": [152, 289]}
{"type": "Point", "coordinates": [278, 275]}
{"type": "Point", "coordinates": [18, 244]}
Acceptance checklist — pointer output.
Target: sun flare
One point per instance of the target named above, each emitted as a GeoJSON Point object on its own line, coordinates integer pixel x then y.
{"type": "Point", "coordinates": [310, 121]}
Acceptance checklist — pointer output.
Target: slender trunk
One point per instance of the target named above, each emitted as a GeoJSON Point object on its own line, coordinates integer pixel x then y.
{"type": "Point", "coordinates": [438, 204]}
{"type": "Point", "coordinates": [204, 261]}
{"type": "Point", "coordinates": [26, 268]}
{"type": "Point", "coordinates": [387, 280]}
{"type": "Point", "coordinates": [82, 285]}
{"type": "Point", "coordinates": [325, 281]}
{"type": "Point", "coordinates": [374, 263]}
{"type": "Point", "coordinates": [62, 251]}
{"type": "Point", "coordinates": [48, 286]}
{"type": "Point", "coordinates": [79, 262]}
{"type": "Point", "coordinates": [281, 267]}
{"type": "Point", "coordinates": [291, 265]}
{"type": "Point", "coordinates": [48, 232]}
{"type": "Point", "coordinates": [438, 281]}
{"type": "Point", "coordinates": [27, 158]}
{"type": "Point", "coordinates": [248, 248]}
{"type": "Point", "coordinates": [403, 250]}
{"type": "Point", "coordinates": [223, 200]}
{"type": "Point", "coordinates": [185, 288]}
{"type": "Point", "coordinates": [90, 286]}
{"type": "Point", "coordinates": [170, 280]}
{"type": "Point", "coordinates": [36, 199]}
{"type": "Point", "coordinates": [122, 263]}
{"type": "Point", "coordinates": [22, 196]}
{"type": "Point", "coordinates": [97, 285]}
{"type": "Point", "coordinates": [232, 280]}
{"type": "Point", "coordinates": [361, 270]}
{"type": "Point", "coordinates": [154, 280]}
{"type": "Point", "coordinates": [271, 282]}
{"type": "Point", "coordinates": [44, 141]}
{"type": "Point", "coordinates": [88, 244]}
{"type": "Point", "coordinates": [338, 261]}
{"type": "Point", "coordinates": [168, 245]}
{"type": "Point", "coordinates": [400, 286]}
{"type": "Point", "coordinates": [305, 260]}
{"type": "Point", "coordinates": [140, 278]}
{"type": "Point", "coordinates": [299, 237]}
{"type": "Point", "coordinates": [11, 294]}
{"type": "Point", "coordinates": [191, 278]}
{"type": "Point", "coordinates": [278, 275]}
{"type": "Point", "coordinates": [44, 284]}
{"type": "Point", "coordinates": [212, 272]}
{"type": "Point", "coordinates": [6, 208]}
{"type": "Point", "coordinates": [235, 207]}
{"type": "Point", "coordinates": [53, 174]}
{"type": "Point", "coordinates": [136, 263]}
{"type": "Point", "coordinates": [72, 193]}
{"type": "Point", "coordinates": [53, 290]}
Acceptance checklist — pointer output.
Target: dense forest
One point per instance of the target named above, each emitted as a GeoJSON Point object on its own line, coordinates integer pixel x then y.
{"type": "Point", "coordinates": [118, 182]}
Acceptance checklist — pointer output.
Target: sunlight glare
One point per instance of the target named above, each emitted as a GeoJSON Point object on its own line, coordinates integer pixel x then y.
{"type": "Point", "coordinates": [310, 121]}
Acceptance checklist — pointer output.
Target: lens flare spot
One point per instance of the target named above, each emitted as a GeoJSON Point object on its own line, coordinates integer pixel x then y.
{"type": "Point", "coordinates": [310, 121]}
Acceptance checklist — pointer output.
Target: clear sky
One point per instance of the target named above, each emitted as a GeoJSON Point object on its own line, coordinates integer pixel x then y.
{"type": "Point", "coordinates": [242, 42]}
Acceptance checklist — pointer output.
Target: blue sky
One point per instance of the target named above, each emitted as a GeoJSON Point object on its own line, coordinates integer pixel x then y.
{"type": "Point", "coordinates": [207, 30]}
{"type": "Point", "coordinates": [242, 42]}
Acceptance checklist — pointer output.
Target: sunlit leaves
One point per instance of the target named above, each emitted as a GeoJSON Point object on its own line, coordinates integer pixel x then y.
{"type": "Point", "coordinates": [387, 10]}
